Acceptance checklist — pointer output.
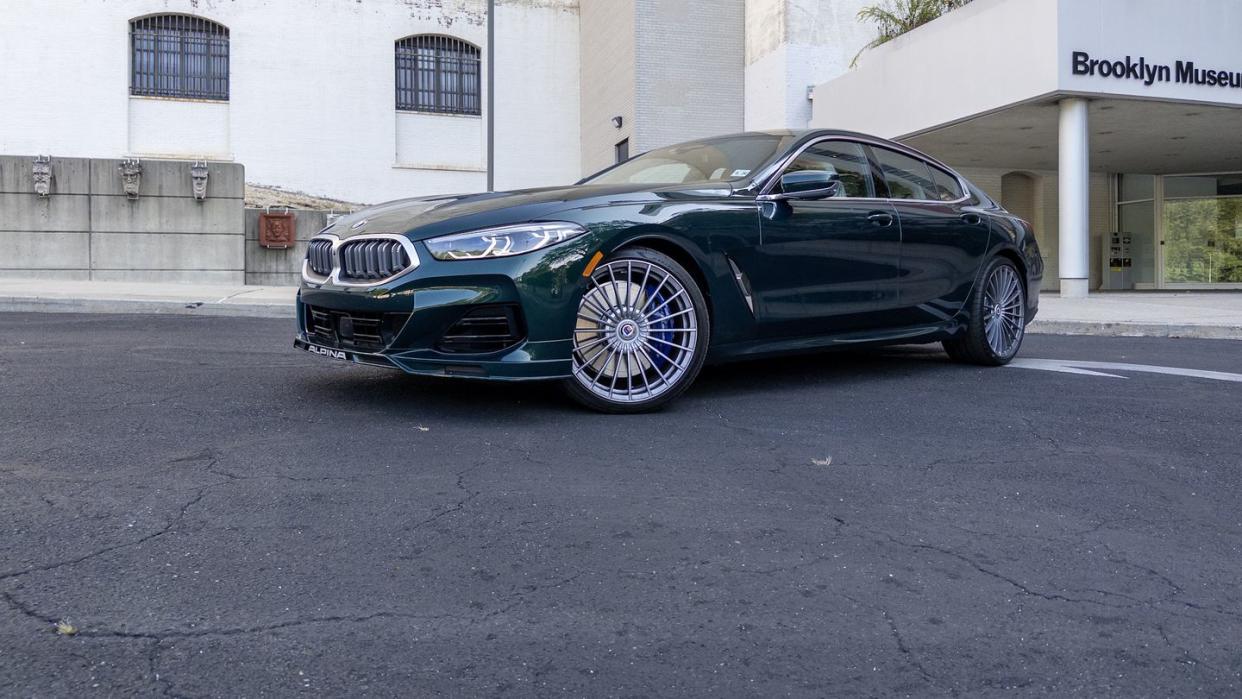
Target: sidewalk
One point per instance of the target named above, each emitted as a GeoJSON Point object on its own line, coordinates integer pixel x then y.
{"type": "Point", "coordinates": [54, 296]}
{"type": "Point", "coordinates": [1209, 315]}
{"type": "Point", "coordinates": [1215, 315]}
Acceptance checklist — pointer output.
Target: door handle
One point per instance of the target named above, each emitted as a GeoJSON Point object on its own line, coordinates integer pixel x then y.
{"type": "Point", "coordinates": [972, 219]}
{"type": "Point", "coordinates": [881, 219]}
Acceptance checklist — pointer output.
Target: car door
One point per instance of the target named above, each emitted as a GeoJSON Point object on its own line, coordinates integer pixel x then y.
{"type": "Point", "coordinates": [822, 262]}
{"type": "Point", "coordinates": [943, 238]}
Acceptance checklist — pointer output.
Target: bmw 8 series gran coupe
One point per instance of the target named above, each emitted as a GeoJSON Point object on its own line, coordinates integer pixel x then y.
{"type": "Point", "coordinates": [623, 285]}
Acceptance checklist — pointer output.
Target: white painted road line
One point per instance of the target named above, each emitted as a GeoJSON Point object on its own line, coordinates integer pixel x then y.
{"type": "Point", "coordinates": [1071, 366]}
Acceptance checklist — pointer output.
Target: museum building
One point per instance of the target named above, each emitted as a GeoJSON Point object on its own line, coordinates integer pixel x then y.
{"type": "Point", "coordinates": [1114, 126]}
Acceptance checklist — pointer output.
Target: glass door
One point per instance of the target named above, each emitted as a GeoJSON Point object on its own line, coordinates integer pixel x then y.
{"type": "Point", "coordinates": [1130, 256]}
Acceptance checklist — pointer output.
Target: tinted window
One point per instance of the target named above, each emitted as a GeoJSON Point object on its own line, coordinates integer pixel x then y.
{"type": "Point", "coordinates": [1203, 186]}
{"type": "Point", "coordinates": [947, 186]}
{"type": "Point", "coordinates": [907, 177]}
{"type": "Point", "coordinates": [846, 160]}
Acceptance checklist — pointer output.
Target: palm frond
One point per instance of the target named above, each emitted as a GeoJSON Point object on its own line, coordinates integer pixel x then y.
{"type": "Point", "coordinates": [893, 18]}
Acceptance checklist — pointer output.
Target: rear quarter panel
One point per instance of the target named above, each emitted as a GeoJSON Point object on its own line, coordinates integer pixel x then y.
{"type": "Point", "coordinates": [1016, 237]}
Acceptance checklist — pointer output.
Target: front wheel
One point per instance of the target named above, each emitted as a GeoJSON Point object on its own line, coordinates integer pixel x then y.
{"type": "Point", "coordinates": [997, 324]}
{"type": "Point", "coordinates": [641, 333]}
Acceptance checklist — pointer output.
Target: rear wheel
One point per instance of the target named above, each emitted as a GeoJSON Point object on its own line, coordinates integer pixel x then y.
{"type": "Point", "coordinates": [641, 334]}
{"type": "Point", "coordinates": [997, 318]}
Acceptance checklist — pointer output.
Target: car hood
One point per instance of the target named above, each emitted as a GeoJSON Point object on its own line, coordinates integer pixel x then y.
{"type": "Point", "coordinates": [426, 217]}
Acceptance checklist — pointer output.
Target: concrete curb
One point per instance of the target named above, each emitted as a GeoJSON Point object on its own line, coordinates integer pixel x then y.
{"type": "Point", "coordinates": [237, 309]}
{"type": "Point", "coordinates": [9, 304]}
{"type": "Point", "coordinates": [1128, 329]}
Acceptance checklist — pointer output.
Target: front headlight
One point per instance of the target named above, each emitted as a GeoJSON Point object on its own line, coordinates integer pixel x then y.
{"type": "Point", "coordinates": [502, 242]}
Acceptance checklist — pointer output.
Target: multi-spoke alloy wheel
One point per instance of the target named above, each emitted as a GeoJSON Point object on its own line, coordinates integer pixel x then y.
{"type": "Point", "coordinates": [997, 309]}
{"type": "Point", "coordinates": [1004, 310]}
{"type": "Point", "coordinates": [639, 332]}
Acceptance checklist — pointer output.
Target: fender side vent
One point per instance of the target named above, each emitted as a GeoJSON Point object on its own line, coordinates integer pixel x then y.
{"type": "Point", "coordinates": [743, 284]}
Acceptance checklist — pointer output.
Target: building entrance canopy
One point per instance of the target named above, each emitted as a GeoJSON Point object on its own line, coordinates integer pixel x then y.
{"type": "Point", "coordinates": [1081, 90]}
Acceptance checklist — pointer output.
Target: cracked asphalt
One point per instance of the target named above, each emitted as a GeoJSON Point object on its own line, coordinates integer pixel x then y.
{"type": "Point", "coordinates": [219, 515]}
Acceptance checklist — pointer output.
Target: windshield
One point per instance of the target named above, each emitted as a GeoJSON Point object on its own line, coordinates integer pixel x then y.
{"type": "Point", "coordinates": [711, 160]}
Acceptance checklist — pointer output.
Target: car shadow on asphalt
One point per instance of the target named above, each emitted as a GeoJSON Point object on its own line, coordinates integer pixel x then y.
{"type": "Point", "coordinates": [820, 369]}
{"type": "Point", "coordinates": [375, 387]}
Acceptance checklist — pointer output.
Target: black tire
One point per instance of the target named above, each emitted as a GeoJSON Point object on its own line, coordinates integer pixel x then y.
{"type": "Point", "coordinates": [620, 297]}
{"type": "Point", "coordinates": [997, 311]}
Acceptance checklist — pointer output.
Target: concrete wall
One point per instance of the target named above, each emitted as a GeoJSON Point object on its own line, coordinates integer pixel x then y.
{"type": "Point", "coordinates": [983, 56]}
{"type": "Point", "coordinates": [1015, 51]}
{"type": "Point", "coordinates": [311, 103]}
{"type": "Point", "coordinates": [1202, 31]}
{"type": "Point", "coordinates": [791, 45]}
{"type": "Point", "coordinates": [89, 229]}
{"type": "Point", "coordinates": [269, 267]}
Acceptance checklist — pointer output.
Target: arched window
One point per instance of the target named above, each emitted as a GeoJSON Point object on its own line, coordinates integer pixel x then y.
{"type": "Point", "coordinates": [179, 56]}
{"type": "Point", "coordinates": [437, 74]}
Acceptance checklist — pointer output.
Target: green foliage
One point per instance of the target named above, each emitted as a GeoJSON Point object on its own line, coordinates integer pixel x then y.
{"type": "Point", "coordinates": [896, 17]}
{"type": "Point", "coordinates": [1203, 241]}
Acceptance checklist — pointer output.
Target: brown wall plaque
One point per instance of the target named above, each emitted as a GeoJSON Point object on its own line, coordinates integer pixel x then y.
{"type": "Point", "coordinates": [277, 230]}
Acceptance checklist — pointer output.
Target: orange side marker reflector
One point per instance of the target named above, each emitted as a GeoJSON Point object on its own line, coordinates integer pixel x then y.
{"type": "Point", "coordinates": [591, 265]}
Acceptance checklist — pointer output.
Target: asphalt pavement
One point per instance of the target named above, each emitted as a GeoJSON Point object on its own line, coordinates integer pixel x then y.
{"type": "Point", "coordinates": [208, 512]}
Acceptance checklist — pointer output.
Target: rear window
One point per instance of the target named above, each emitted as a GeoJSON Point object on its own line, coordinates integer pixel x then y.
{"type": "Point", "coordinates": [947, 186]}
{"type": "Point", "coordinates": [908, 178]}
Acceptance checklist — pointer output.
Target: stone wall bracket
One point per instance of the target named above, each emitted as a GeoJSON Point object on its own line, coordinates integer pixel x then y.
{"type": "Point", "coordinates": [198, 180]}
{"type": "Point", "coordinates": [131, 177]}
{"type": "Point", "coordinates": [41, 170]}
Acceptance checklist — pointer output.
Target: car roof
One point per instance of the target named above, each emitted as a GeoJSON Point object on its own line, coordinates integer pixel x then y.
{"type": "Point", "coordinates": [801, 136]}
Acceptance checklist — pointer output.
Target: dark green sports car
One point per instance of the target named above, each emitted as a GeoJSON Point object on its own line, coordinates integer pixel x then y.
{"type": "Point", "coordinates": [623, 285]}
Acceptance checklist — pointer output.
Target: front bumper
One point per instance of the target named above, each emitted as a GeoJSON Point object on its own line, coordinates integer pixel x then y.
{"type": "Point", "coordinates": [419, 308]}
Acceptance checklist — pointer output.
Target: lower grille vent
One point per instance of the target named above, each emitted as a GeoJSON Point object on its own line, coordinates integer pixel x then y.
{"type": "Point", "coordinates": [353, 329]}
{"type": "Point", "coordinates": [482, 330]}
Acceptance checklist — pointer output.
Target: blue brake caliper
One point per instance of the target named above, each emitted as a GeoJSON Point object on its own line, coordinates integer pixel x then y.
{"type": "Point", "coordinates": [660, 327]}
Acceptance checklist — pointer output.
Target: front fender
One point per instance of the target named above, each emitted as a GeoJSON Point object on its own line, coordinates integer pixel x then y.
{"type": "Point", "coordinates": [696, 233]}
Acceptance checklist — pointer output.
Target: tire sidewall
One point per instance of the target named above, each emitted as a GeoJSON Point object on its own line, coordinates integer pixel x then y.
{"type": "Point", "coordinates": [978, 325]}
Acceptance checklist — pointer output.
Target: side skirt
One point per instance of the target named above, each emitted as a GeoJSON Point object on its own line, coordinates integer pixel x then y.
{"type": "Point", "coordinates": [769, 347]}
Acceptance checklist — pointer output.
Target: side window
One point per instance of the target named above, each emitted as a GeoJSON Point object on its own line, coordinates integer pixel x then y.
{"type": "Point", "coordinates": [947, 186]}
{"type": "Point", "coordinates": [907, 177]}
{"type": "Point", "coordinates": [847, 160]}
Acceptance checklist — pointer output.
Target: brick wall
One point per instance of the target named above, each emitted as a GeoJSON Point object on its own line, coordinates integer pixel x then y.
{"type": "Point", "coordinates": [689, 70]}
{"type": "Point", "coordinates": [607, 45]}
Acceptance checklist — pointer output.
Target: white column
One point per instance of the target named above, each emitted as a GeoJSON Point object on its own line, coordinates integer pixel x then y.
{"type": "Point", "coordinates": [1074, 179]}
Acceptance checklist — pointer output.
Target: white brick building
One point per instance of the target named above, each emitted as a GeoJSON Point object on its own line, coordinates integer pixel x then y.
{"type": "Point", "coordinates": [308, 97]}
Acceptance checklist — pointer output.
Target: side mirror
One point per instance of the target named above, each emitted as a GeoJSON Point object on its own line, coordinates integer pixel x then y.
{"type": "Point", "coordinates": [807, 184]}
